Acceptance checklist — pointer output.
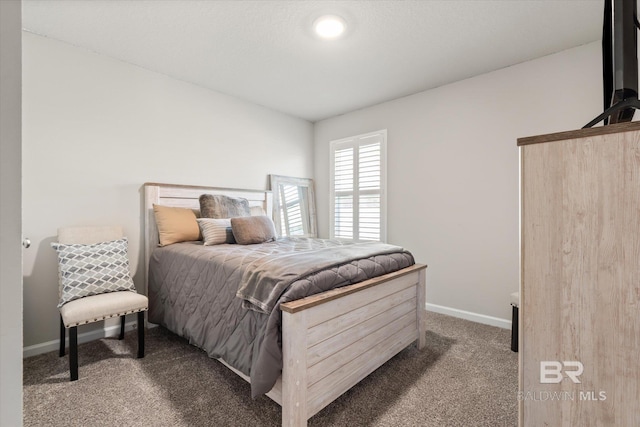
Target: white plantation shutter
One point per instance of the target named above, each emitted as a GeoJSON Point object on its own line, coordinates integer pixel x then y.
{"type": "Point", "coordinates": [343, 187]}
{"type": "Point", "coordinates": [357, 187]}
{"type": "Point", "coordinates": [369, 203]}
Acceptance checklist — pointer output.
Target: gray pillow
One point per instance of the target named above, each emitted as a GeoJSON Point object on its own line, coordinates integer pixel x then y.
{"type": "Point", "coordinates": [217, 206]}
{"type": "Point", "coordinates": [86, 270]}
{"type": "Point", "coordinates": [253, 229]}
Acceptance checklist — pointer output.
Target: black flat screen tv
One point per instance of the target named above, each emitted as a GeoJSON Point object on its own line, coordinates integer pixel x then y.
{"type": "Point", "coordinates": [619, 61]}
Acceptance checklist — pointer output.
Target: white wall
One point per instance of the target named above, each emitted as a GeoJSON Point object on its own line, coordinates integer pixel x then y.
{"type": "Point", "coordinates": [10, 222]}
{"type": "Point", "coordinates": [96, 129]}
{"type": "Point", "coordinates": [453, 170]}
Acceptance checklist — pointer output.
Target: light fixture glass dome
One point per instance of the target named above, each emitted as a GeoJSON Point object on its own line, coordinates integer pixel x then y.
{"type": "Point", "coordinates": [329, 26]}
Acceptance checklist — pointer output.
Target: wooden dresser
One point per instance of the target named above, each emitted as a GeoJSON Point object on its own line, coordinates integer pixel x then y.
{"type": "Point", "coordinates": [580, 278]}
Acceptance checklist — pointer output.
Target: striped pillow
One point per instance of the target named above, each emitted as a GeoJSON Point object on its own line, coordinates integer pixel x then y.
{"type": "Point", "coordinates": [215, 231]}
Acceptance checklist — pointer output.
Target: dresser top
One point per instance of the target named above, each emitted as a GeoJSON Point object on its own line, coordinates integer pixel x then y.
{"type": "Point", "coordinates": [580, 133]}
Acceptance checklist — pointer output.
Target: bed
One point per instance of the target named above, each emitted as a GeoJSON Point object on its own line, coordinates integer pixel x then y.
{"type": "Point", "coordinates": [327, 342]}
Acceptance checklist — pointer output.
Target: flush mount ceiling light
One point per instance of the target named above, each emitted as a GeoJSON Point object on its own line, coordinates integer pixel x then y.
{"type": "Point", "coordinates": [329, 27]}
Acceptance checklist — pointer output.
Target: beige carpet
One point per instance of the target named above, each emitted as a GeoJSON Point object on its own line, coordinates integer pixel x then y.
{"type": "Point", "coordinates": [467, 376]}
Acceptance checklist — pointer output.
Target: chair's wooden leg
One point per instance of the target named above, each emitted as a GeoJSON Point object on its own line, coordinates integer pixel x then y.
{"type": "Point", "coordinates": [73, 352]}
{"type": "Point", "coordinates": [62, 337]}
{"type": "Point", "coordinates": [514, 328]}
{"type": "Point", "coordinates": [140, 334]}
{"type": "Point", "coordinates": [122, 319]}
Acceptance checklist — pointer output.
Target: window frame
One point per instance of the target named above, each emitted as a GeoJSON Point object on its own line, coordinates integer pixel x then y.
{"type": "Point", "coordinates": [356, 142]}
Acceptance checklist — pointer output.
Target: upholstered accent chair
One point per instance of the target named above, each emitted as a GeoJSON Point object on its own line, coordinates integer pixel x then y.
{"type": "Point", "coordinates": [95, 284]}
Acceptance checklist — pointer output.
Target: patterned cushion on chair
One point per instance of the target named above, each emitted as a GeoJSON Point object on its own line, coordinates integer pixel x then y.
{"type": "Point", "coordinates": [86, 270]}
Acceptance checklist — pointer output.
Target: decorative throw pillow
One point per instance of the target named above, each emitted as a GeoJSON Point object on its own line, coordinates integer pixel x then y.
{"type": "Point", "coordinates": [253, 229]}
{"type": "Point", "coordinates": [86, 270]}
{"type": "Point", "coordinates": [217, 206]}
{"type": "Point", "coordinates": [216, 231]}
{"type": "Point", "coordinates": [176, 224]}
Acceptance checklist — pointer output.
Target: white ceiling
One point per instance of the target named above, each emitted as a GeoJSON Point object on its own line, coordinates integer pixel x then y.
{"type": "Point", "coordinates": [264, 51]}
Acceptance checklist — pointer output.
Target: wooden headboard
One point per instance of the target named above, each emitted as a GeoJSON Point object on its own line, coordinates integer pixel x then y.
{"type": "Point", "coordinates": [187, 196]}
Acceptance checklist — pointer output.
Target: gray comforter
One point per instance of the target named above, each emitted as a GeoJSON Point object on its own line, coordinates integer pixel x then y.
{"type": "Point", "coordinates": [225, 300]}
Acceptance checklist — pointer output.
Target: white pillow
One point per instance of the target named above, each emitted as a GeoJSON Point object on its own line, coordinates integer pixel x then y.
{"type": "Point", "coordinates": [86, 270]}
{"type": "Point", "coordinates": [215, 231]}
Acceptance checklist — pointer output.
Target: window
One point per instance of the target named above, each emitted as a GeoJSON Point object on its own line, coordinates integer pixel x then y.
{"type": "Point", "coordinates": [358, 181]}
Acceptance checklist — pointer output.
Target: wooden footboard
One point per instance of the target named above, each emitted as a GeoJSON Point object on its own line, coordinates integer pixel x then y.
{"type": "Point", "coordinates": [333, 340]}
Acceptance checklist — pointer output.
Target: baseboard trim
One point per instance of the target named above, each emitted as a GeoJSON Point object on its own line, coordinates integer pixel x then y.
{"type": "Point", "coordinates": [468, 315]}
{"type": "Point", "coordinates": [46, 347]}
{"type": "Point", "coordinates": [110, 331]}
